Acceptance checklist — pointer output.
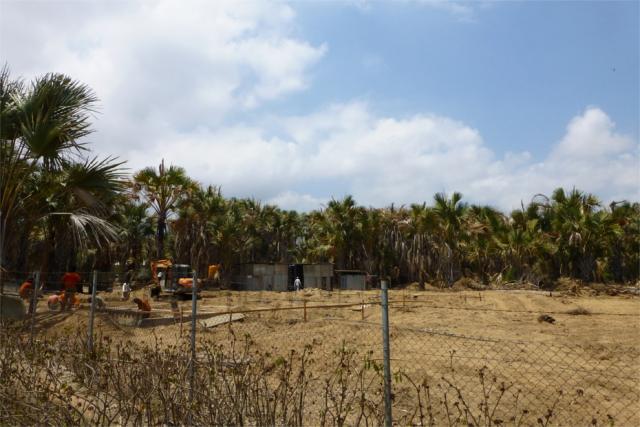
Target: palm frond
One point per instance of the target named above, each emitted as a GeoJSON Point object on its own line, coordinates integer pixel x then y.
{"type": "Point", "coordinates": [86, 228]}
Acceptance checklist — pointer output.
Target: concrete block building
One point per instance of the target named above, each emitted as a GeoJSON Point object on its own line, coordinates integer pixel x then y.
{"type": "Point", "coordinates": [280, 276]}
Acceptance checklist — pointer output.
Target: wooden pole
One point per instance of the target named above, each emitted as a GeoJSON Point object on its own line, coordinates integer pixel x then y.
{"type": "Point", "coordinates": [204, 314]}
{"type": "Point", "coordinates": [181, 321]}
{"type": "Point", "coordinates": [305, 310]}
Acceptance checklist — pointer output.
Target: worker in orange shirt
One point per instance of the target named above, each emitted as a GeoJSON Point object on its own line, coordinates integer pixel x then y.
{"type": "Point", "coordinates": [144, 306]}
{"type": "Point", "coordinates": [70, 282]}
{"type": "Point", "coordinates": [26, 289]}
{"type": "Point", "coordinates": [68, 299]}
{"type": "Point", "coordinates": [26, 292]}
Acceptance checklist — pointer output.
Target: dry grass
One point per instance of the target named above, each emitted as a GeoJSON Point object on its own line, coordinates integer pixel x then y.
{"type": "Point", "coordinates": [435, 349]}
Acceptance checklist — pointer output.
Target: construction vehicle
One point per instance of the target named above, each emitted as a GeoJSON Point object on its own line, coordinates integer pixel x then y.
{"type": "Point", "coordinates": [170, 278]}
{"type": "Point", "coordinates": [213, 276]}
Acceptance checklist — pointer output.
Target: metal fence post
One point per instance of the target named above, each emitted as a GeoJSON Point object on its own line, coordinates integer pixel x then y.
{"type": "Point", "coordinates": [1, 278]}
{"type": "Point", "coordinates": [386, 353]}
{"type": "Point", "coordinates": [194, 309]}
{"type": "Point", "coordinates": [33, 303]}
{"type": "Point", "coordinates": [92, 312]}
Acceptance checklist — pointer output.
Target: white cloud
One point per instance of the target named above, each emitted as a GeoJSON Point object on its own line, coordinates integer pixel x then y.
{"type": "Point", "coordinates": [161, 63]}
{"type": "Point", "coordinates": [591, 135]}
{"type": "Point", "coordinates": [170, 74]}
{"type": "Point", "coordinates": [591, 156]}
{"type": "Point", "coordinates": [346, 149]}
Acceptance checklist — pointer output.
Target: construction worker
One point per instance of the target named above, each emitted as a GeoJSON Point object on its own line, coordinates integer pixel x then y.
{"type": "Point", "coordinates": [68, 300]}
{"type": "Point", "coordinates": [53, 302]}
{"type": "Point", "coordinates": [126, 291]}
{"type": "Point", "coordinates": [70, 282]}
{"type": "Point", "coordinates": [128, 281]}
{"type": "Point", "coordinates": [26, 292]}
{"type": "Point", "coordinates": [26, 289]}
{"type": "Point", "coordinates": [144, 306]}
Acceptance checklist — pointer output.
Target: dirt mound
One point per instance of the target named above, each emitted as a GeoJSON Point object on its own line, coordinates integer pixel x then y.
{"type": "Point", "coordinates": [415, 286]}
{"type": "Point", "coordinates": [523, 286]}
{"type": "Point", "coordinates": [570, 286]}
{"type": "Point", "coordinates": [575, 287]}
{"type": "Point", "coordinates": [467, 283]}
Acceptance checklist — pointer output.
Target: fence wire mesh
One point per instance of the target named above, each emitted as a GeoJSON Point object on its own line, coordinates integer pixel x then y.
{"type": "Point", "coordinates": [479, 381]}
{"type": "Point", "coordinates": [311, 358]}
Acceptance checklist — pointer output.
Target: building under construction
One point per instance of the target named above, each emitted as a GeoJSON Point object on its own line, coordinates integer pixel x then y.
{"type": "Point", "coordinates": [354, 280]}
{"type": "Point", "coordinates": [280, 276]}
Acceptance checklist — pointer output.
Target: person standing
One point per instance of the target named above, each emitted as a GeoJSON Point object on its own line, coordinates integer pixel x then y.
{"type": "Point", "coordinates": [297, 284]}
{"type": "Point", "coordinates": [128, 281]}
{"type": "Point", "coordinates": [126, 291]}
{"type": "Point", "coordinates": [70, 282]}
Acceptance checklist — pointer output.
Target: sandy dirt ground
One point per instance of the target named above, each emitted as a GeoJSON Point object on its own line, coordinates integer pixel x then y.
{"type": "Point", "coordinates": [438, 337]}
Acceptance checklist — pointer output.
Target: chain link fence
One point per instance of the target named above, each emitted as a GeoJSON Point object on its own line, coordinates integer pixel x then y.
{"type": "Point", "coordinates": [479, 381]}
{"type": "Point", "coordinates": [318, 359]}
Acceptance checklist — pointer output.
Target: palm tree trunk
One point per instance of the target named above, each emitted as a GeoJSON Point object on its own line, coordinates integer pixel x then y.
{"type": "Point", "coordinates": [162, 225]}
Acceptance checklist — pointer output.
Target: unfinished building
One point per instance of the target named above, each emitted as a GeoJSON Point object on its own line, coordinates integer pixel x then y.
{"type": "Point", "coordinates": [280, 276]}
{"type": "Point", "coordinates": [261, 277]}
{"type": "Point", "coordinates": [354, 280]}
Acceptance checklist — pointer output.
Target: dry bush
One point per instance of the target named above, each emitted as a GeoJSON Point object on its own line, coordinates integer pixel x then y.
{"type": "Point", "coordinates": [56, 381]}
{"type": "Point", "coordinates": [579, 311]}
{"type": "Point", "coordinates": [465, 283]}
{"type": "Point", "coordinates": [444, 402]}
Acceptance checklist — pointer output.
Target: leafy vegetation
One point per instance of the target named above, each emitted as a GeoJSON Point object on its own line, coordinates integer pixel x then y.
{"type": "Point", "coordinates": [60, 206]}
{"type": "Point", "coordinates": [55, 201]}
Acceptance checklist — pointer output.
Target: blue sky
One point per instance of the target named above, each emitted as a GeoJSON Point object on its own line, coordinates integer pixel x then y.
{"type": "Point", "coordinates": [515, 70]}
{"type": "Point", "coordinates": [390, 101]}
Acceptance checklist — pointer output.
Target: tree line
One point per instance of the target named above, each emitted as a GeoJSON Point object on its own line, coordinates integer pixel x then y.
{"type": "Point", "coordinates": [63, 207]}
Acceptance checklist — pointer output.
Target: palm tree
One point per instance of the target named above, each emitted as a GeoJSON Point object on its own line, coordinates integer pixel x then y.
{"type": "Point", "coordinates": [571, 218]}
{"type": "Point", "coordinates": [136, 227]}
{"type": "Point", "coordinates": [42, 183]}
{"type": "Point", "coordinates": [80, 197]}
{"type": "Point", "coordinates": [623, 258]}
{"type": "Point", "coordinates": [341, 230]}
{"type": "Point", "coordinates": [199, 218]}
{"type": "Point", "coordinates": [484, 224]}
{"type": "Point", "coordinates": [162, 189]}
{"type": "Point", "coordinates": [450, 213]}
